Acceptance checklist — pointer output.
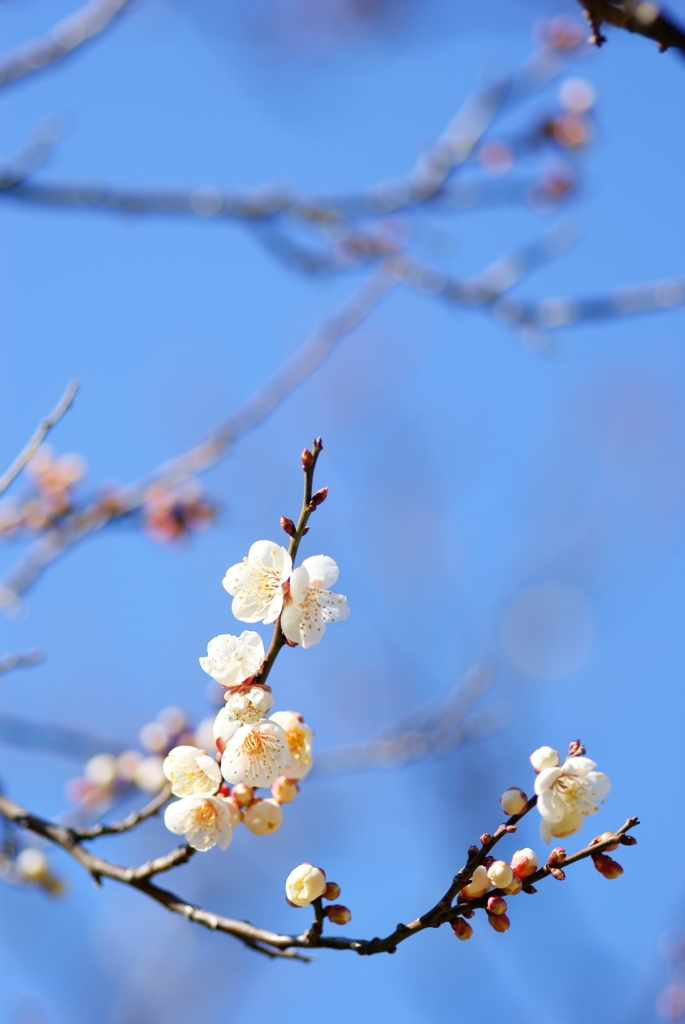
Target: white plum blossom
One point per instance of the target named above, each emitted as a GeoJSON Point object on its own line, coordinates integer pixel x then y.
{"type": "Point", "coordinates": [311, 606]}
{"type": "Point", "coordinates": [225, 727]}
{"type": "Point", "coordinates": [256, 583]}
{"type": "Point", "coordinates": [233, 810]}
{"type": "Point", "coordinates": [567, 793]}
{"type": "Point", "coordinates": [205, 821]}
{"type": "Point", "coordinates": [233, 659]}
{"type": "Point", "coordinates": [500, 874]}
{"type": "Point", "coordinates": [249, 704]}
{"type": "Point", "coordinates": [299, 737]}
{"type": "Point", "coordinates": [256, 754]}
{"type": "Point", "coordinates": [305, 884]}
{"type": "Point", "coordinates": [479, 884]}
{"type": "Point", "coordinates": [191, 772]}
{"type": "Point", "coordinates": [263, 816]}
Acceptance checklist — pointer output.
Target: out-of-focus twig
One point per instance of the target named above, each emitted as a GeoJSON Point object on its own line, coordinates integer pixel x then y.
{"type": "Point", "coordinates": [66, 36]}
{"type": "Point", "coordinates": [39, 435]}
{"type": "Point", "coordinates": [8, 662]}
{"type": "Point", "coordinates": [127, 499]}
{"type": "Point", "coordinates": [433, 730]}
{"type": "Point", "coordinates": [53, 739]}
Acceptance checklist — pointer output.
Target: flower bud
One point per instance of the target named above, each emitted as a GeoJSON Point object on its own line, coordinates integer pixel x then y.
{"type": "Point", "coordinates": [557, 873]}
{"type": "Point", "coordinates": [288, 525]}
{"type": "Point", "coordinates": [332, 891]}
{"type": "Point", "coordinates": [32, 864]}
{"type": "Point", "coordinates": [478, 886]}
{"type": "Point", "coordinates": [607, 866]}
{"type": "Point", "coordinates": [304, 884]}
{"type": "Point", "coordinates": [462, 929]}
{"type": "Point", "coordinates": [263, 816]}
{"type": "Point", "coordinates": [513, 800]}
{"type": "Point", "coordinates": [515, 888]}
{"type": "Point", "coordinates": [307, 459]}
{"type": "Point", "coordinates": [243, 794]}
{"type": "Point", "coordinates": [523, 863]}
{"type": "Point", "coordinates": [485, 839]}
{"type": "Point", "coordinates": [601, 839]}
{"type": "Point", "coordinates": [556, 857]}
{"type": "Point", "coordinates": [233, 808]}
{"type": "Point", "coordinates": [284, 790]}
{"type": "Point", "coordinates": [337, 914]}
{"type": "Point", "coordinates": [496, 905]}
{"type": "Point", "coordinates": [500, 922]}
{"type": "Point", "coordinates": [500, 874]}
{"type": "Point", "coordinates": [544, 757]}
{"type": "Point", "coordinates": [319, 496]}
{"type": "Point", "coordinates": [576, 748]}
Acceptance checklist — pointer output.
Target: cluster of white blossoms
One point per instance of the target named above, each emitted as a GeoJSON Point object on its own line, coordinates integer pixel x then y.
{"type": "Point", "coordinates": [217, 792]}
{"type": "Point", "coordinates": [566, 792]}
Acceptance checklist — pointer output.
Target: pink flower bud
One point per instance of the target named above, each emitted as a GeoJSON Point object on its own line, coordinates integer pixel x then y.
{"type": "Point", "coordinates": [284, 790]}
{"type": "Point", "coordinates": [556, 857]}
{"type": "Point", "coordinates": [601, 839]}
{"type": "Point", "coordinates": [337, 914]}
{"type": "Point", "coordinates": [478, 886]}
{"type": "Point", "coordinates": [514, 888]}
{"type": "Point", "coordinates": [513, 800]}
{"type": "Point", "coordinates": [496, 905]}
{"type": "Point", "coordinates": [243, 794]}
{"type": "Point", "coordinates": [500, 922]}
{"type": "Point", "coordinates": [500, 874]}
{"type": "Point", "coordinates": [523, 863]}
{"type": "Point", "coordinates": [462, 929]}
{"type": "Point", "coordinates": [332, 891]}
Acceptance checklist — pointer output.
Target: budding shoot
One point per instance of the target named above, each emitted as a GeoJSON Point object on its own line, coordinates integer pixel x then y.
{"type": "Point", "coordinates": [462, 929]}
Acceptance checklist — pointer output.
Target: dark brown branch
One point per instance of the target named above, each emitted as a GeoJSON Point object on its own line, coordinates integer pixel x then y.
{"type": "Point", "coordinates": [127, 823]}
{"type": "Point", "coordinates": [644, 19]}
{"type": "Point", "coordinates": [66, 37]}
{"type": "Point", "coordinates": [273, 943]}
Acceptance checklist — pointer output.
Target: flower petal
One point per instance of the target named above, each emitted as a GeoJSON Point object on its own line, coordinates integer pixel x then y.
{"type": "Point", "coordinates": [299, 584]}
{"type": "Point", "coordinates": [322, 569]}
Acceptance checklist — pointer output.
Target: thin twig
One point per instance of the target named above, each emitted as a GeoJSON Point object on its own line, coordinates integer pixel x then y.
{"type": "Point", "coordinates": [39, 435]}
{"type": "Point", "coordinates": [65, 37]}
{"type": "Point", "coordinates": [11, 661]}
{"type": "Point", "coordinates": [127, 823]}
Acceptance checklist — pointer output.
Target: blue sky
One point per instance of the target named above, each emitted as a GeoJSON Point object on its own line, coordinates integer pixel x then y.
{"type": "Point", "coordinates": [466, 474]}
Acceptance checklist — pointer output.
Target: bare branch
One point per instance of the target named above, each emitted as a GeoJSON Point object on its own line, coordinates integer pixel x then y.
{"type": "Point", "coordinates": [11, 661]}
{"type": "Point", "coordinates": [127, 823]}
{"type": "Point", "coordinates": [66, 37]}
{"type": "Point", "coordinates": [128, 499]}
{"type": "Point", "coordinates": [270, 942]}
{"type": "Point", "coordinates": [41, 432]}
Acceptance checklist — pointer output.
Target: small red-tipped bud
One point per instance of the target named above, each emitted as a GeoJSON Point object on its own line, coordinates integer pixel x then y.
{"type": "Point", "coordinates": [514, 887]}
{"type": "Point", "coordinates": [243, 794]}
{"type": "Point", "coordinates": [524, 862]}
{"type": "Point", "coordinates": [530, 889]}
{"type": "Point", "coordinates": [462, 929]}
{"type": "Point", "coordinates": [337, 914]}
{"type": "Point", "coordinates": [486, 838]}
{"type": "Point", "coordinates": [576, 748]}
{"type": "Point", "coordinates": [224, 790]}
{"type": "Point", "coordinates": [307, 459]}
{"type": "Point", "coordinates": [556, 857]}
{"type": "Point", "coordinates": [511, 828]}
{"type": "Point", "coordinates": [332, 891]}
{"type": "Point", "coordinates": [607, 866]}
{"type": "Point", "coordinates": [318, 443]}
{"type": "Point", "coordinates": [500, 922]}
{"type": "Point", "coordinates": [319, 496]}
{"type": "Point", "coordinates": [288, 525]}
{"type": "Point", "coordinates": [496, 905]}
{"type": "Point", "coordinates": [306, 530]}
{"type": "Point", "coordinates": [513, 800]}
{"type": "Point", "coordinates": [628, 841]}
{"type": "Point", "coordinates": [558, 874]}
{"type": "Point", "coordinates": [284, 790]}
